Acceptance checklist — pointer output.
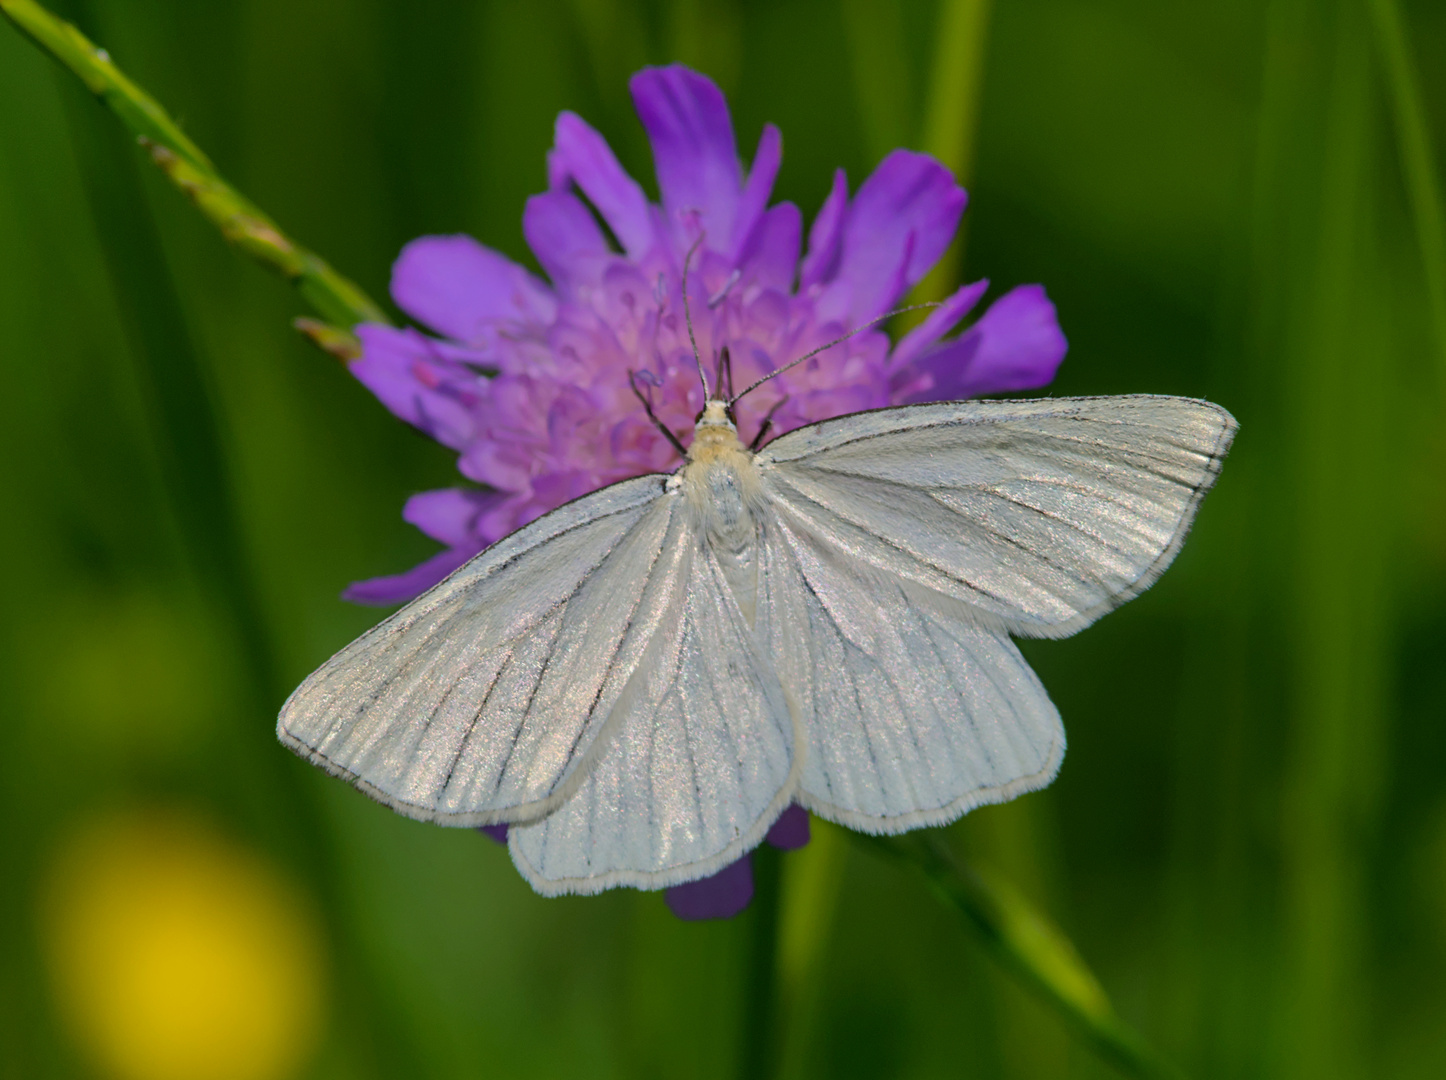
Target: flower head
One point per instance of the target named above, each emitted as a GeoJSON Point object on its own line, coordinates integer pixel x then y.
{"type": "Point", "coordinates": [533, 382]}
{"type": "Point", "coordinates": [529, 380]}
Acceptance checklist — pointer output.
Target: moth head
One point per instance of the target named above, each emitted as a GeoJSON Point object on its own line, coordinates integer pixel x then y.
{"type": "Point", "coordinates": [716, 414]}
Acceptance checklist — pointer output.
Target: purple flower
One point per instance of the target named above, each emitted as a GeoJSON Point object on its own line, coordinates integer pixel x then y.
{"type": "Point", "coordinates": [728, 892]}
{"type": "Point", "coordinates": [528, 379]}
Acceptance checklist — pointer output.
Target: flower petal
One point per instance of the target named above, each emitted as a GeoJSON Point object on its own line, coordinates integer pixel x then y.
{"type": "Point", "coordinates": [757, 189]}
{"type": "Point", "coordinates": [496, 833]}
{"type": "Point", "coordinates": [450, 515]}
{"type": "Point", "coordinates": [908, 196]}
{"type": "Point", "coordinates": [456, 286]}
{"type": "Point", "coordinates": [721, 896]}
{"type": "Point", "coordinates": [770, 258]}
{"type": "Point", "coordinates": [399, 588]}
{"type": "Point", "coordinates": [940, 321]}
{"type": "Point", "coordinates": [694, 153]}
{"type": "Point", "coordinates": [790, 831]}
{"type": "Point", "coordinates": [825, 238]}
{"type": "Point", "coordinates": [500, 463]}
{"type": "Point", "coordinates": [418, 384]}
{"type": "Point", "coordinates": [565, 237]}
{"type": "Point", "coordinates": [583, 156]}
{"type": "Point", "coordinates": [1016, 345]}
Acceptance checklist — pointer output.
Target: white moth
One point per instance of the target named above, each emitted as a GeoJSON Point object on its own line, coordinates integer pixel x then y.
{"type": "Point", "coordinates": [642, 680]}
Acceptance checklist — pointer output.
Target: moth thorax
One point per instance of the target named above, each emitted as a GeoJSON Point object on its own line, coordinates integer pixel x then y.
{"type": "Point", "coordinates": [723, 506]}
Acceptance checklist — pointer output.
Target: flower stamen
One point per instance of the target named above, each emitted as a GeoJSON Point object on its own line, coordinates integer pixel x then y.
{"type": "Point", "coordinates": [688, 315]}
{"type": "Point", "coordinates": [722, 294]}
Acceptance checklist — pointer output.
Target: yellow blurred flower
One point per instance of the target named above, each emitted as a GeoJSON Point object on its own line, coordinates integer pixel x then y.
{"type": "Point", "coordinates": [176, 955]}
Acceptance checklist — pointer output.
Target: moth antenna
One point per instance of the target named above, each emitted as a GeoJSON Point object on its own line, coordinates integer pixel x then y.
{"type": "Point", "coordinates": [725, 372]}
{"type": "Point", "coordinates": [824, 348]}
{"type": "Point", "coordinates": [688, 315]}
{"type": "Point", "coordinates": [648, 408]}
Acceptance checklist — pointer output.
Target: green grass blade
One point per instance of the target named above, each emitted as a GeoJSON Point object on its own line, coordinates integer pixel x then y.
{"type": "Point", "coordinates": [881, 74]}
{"type": "Point", "coordinates": [335, 298]}
{"type": "Point", "coordinates": [188, 431]}
{"type": "Point", "coordinates": [1417, 160]}
{"type": "Point", "coordinates": [951, 119]}
{"type": "Point", "coordinates": [952, 109]}
{"type": "Point", "coordinates": [1031, 948]}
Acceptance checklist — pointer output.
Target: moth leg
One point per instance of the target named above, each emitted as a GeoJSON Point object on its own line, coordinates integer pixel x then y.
{"type": "Point", "coordinates": [648, 408]}
{"type": "Point", "coordinates": [767, 423]}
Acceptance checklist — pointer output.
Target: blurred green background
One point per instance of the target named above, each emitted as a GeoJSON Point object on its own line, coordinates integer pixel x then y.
{"type": "Point", "coordinates": [1248, 839]}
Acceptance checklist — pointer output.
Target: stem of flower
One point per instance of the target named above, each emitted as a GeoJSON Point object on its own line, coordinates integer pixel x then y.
{"type": "Point", "coordinates": [260, 786]}
{"type": "Point", "coordinates": [951, 118]}
{"type": "Point", "coordinates": [811, 891]}
{"type": "Point", "coordinates": [758, 1057]}
{"type": "Point", "coordinates": [1030, 947]}
{"type": "Point", "coordinates": [240, 221]}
